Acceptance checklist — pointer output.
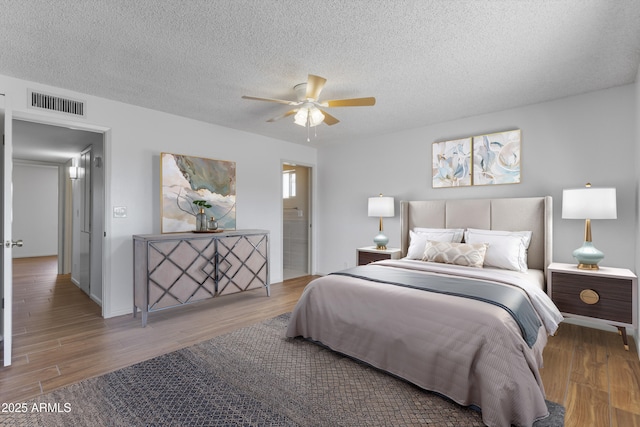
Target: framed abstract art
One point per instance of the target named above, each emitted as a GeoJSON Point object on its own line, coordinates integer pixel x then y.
{"type": "Point", "coordinates": [186, 179]}
{"type": "Point", "coordinates": [496, 158]}
{"type": "Point", "coordinates": [451, 164]}
{"type": "Point", "coordinates": [478, 160]}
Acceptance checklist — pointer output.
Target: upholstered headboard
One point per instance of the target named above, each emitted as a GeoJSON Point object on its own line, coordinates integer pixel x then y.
{"type": "Point", "coordinates": [516, 214]}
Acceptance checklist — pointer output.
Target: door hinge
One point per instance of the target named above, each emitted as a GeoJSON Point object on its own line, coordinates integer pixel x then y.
{"type": "Point", "coordinates": [3, 303]}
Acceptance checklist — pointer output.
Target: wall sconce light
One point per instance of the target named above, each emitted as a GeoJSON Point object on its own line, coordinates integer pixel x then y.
{"type": "Point", "coordinates": [381, 207]}
{"type": "Point", "coordinates": [589, 203]}
{"type": "Point", "coordinates": [73, 172]}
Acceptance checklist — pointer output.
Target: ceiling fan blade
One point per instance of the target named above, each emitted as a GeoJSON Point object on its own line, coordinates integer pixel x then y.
{"type": "Point", "coordinates": [280, 101]}
{"type": "Point", "coordinates": [329, 119]}
{"type": "Point", "coordinates": [314, 86]}
{"type": "Point", "coordinates": [282, 116]}
{"type": "Point", "coordinates": [353, 102]}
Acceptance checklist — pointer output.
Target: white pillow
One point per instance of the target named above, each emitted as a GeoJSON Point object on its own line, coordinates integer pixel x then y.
{"type": "Point", "coordinates": [467, 254]}
{"type": "Point", "coordinates": [419, 237]}
{"type": "Point", "coordinates": [417, 242]}
{"type": "Point", "coordinates": [507, 249]}
{"type": "Point", "coordinates": [442, 234]}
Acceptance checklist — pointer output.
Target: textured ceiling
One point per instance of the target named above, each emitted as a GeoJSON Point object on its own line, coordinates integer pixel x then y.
{"type": "Point", "coordinates": [424, 61]}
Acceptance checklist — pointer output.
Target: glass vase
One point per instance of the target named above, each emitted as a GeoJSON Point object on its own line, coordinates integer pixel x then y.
{"type": "Point", "coordinates": [213, 224]}
{"type": "Point", "coordinates": [201, 221]}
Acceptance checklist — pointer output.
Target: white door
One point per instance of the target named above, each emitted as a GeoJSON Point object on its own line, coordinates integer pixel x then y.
{"type": "Point", "coordinates": [7, 208]}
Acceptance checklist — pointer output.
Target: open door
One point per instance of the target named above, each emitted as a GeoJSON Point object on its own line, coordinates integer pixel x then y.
{"type": "Point", "coordinates": [296, 220]}
{"type": "Point", "coordinates": [7, 242]}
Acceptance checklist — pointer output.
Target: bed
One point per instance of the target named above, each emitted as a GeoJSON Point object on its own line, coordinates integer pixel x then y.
{"type": "Point", "coordinates": [452, 338]}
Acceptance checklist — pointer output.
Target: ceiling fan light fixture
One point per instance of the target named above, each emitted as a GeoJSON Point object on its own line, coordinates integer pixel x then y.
{"type": "Point", "coordinates": [308, 116]}
{"type": "Point", "coordinates": [301, 117]}
{"type": "Point", "coordinates": [308, 111]}
{"type": "Point", "coordinates": [316, 116]}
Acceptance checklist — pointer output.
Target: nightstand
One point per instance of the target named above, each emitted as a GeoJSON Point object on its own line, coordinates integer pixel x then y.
{"type": "Point", "coordinates": [608, 295]}
{"type": "Point", "coordinates": [370, 254]}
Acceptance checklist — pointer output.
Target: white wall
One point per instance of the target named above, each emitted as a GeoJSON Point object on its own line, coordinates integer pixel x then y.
{"type": "Point", "coordinates": [565, 143]}
{"type": "Point", "coordinates": [135, 137]}
{"type": "Point", "coordinates": [35, 209]}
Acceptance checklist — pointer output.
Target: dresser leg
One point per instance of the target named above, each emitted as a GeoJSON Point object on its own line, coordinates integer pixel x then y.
{"type": "Point", "coordinates": [623, 331]}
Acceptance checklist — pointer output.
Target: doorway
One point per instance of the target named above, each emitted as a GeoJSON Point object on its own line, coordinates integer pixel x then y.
{"type": "Point", "coordinates": [296, 220]}
{"type": "Point", "coordinates": [40, 151]}
{"type": "Point", "coordinates": [77, 235]}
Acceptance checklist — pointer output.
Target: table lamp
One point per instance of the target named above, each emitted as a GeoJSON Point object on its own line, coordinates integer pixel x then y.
{"type": "Point", "coordinates": [381, 206]}
{"type": "Point", "coordinates": [588, 203]}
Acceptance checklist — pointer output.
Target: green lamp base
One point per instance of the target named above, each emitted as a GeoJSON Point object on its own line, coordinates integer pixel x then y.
{"type": "Point", "coordinates": [381, 241]}
{"type": "Point", "coordinates": [588, 256]}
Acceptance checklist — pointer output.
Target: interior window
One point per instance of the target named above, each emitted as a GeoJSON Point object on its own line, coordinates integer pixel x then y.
{"type": "Point", "coordinates": [288, 184]}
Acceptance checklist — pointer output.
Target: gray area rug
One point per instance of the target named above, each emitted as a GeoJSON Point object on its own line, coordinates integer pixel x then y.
{"type": "Point", "coordinates": [251, 377]}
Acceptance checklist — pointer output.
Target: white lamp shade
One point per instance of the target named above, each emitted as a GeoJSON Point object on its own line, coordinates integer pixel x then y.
{"type": "Point", "coordinates": [381, 206]}
{"type": "Point", "coordinates": [301, 117]}
{"type": "Point", "coordinates": [308, 116]}
{"type": "Point", "coordinates": [589, 203]}
{"type": "Point", "coordinates": [315, 117]}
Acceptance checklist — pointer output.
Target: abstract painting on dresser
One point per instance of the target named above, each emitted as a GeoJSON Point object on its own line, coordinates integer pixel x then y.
{"type": "Point", "coordinates": [185, 179]}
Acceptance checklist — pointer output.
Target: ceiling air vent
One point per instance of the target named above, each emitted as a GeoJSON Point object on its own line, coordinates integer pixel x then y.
{"type": "Point", "coordinates": [59, 104]}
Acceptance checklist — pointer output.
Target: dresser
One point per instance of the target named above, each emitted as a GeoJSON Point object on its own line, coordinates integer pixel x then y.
{"type": "Point", "coordinates": [607, 295]}
{"type": "Point", "coordinates": [171, 270]}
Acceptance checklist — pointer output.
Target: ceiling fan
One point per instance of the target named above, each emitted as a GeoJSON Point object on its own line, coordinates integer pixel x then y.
{"type": "Point", "coordinates": [308, 109]}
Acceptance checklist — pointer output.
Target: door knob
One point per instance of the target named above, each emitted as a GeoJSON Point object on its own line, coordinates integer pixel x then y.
{"type": "Point", "coordinates": [12, 243]}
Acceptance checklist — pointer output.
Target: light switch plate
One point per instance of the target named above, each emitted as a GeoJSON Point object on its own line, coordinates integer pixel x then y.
{"type": "Point", "coordinates": [119, 211]}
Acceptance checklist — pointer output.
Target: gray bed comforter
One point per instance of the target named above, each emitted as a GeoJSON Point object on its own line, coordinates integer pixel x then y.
{"type": "Point", "coordinates": [468, 350]}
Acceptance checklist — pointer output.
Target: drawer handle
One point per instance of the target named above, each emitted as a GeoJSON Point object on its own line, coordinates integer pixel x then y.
{"type": "Point", "coordinates": [589, 296]}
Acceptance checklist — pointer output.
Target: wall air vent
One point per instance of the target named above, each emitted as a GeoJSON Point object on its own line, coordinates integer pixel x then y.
{"type": "Point", "coordinates": [55, 103]}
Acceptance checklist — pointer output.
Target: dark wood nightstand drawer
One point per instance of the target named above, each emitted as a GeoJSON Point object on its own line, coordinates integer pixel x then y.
{"type": "Point", "coordinates": [370, 254]}
{"type": "Point", "coordinates": [369, 257]}
{"type": "Point", "coordinates": [614, 296]}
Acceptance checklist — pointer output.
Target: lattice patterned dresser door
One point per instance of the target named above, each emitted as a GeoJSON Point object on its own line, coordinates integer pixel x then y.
{"type": "Point", "coordinates": [242, 263]}
{"type": "Point", "coordinates": [180, 271]}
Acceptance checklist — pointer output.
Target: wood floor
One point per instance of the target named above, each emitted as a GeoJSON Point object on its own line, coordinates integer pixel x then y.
{"type": "Point", "coordinates": [60, 338]}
